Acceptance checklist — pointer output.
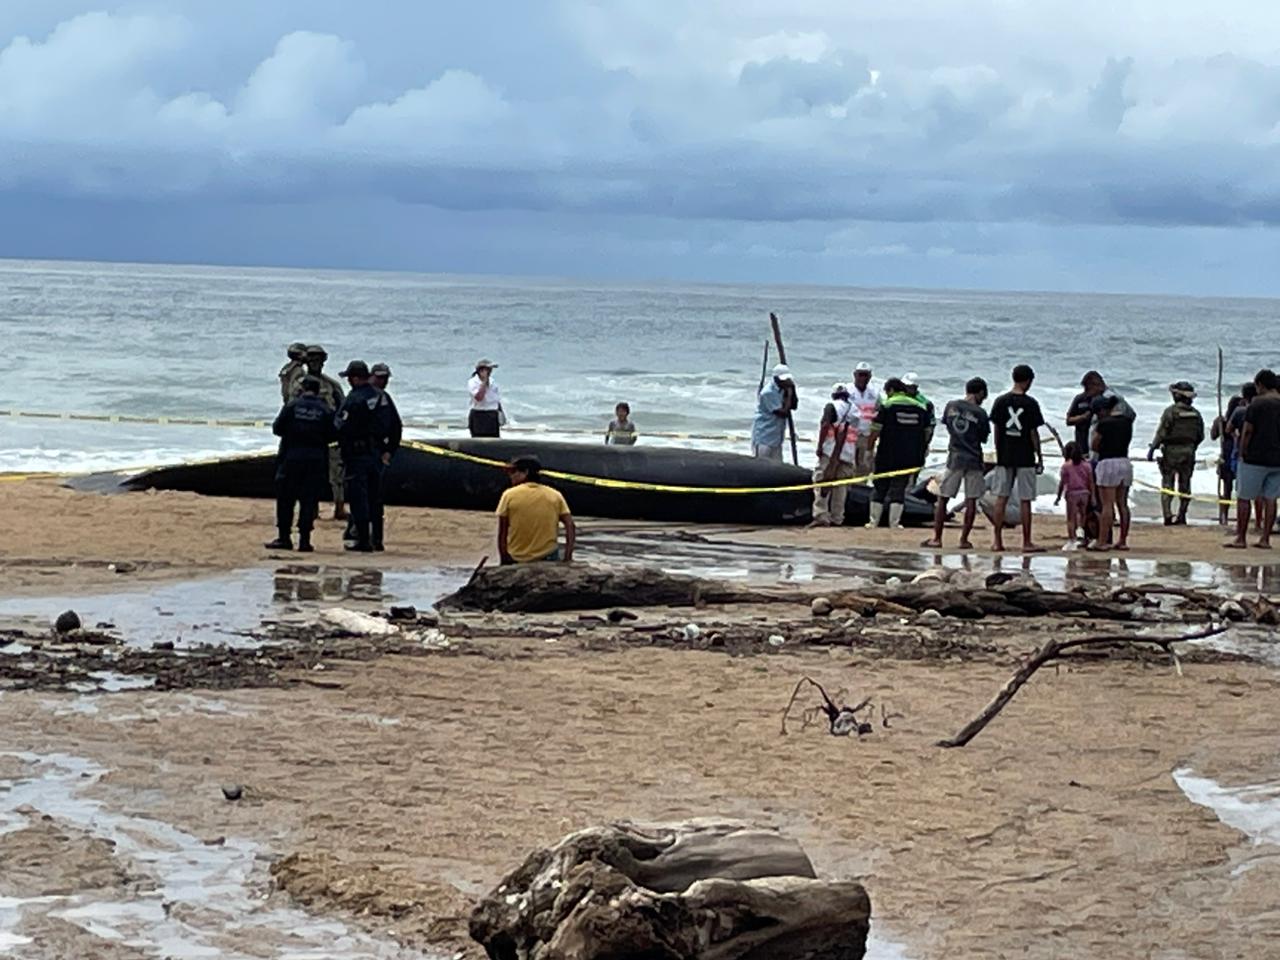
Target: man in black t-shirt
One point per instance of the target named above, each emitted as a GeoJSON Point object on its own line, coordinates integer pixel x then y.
{"type": "Point", "coordinates": [1016, 421]}
{"type": "Point", "coordinates": [1259, 472]}
{"type": "Point", "coordinates": [897, 442]}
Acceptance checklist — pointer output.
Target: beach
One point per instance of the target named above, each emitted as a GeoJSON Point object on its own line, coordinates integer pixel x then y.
{"type": "Point", "coordinates": [386, 793]}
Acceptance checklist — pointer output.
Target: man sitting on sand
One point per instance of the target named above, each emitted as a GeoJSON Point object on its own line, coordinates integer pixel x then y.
{"type": "Point", "coordinates": [968, 427]}
{"type": "Point", "coordinates": [1016, 420]}
{"type": "Point", "coordinates": [1259, 472]}
{"type": "Point", "coordinates": [529, 516]}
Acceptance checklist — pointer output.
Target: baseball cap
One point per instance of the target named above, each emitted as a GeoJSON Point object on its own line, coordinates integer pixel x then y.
{"type": "Point", "coordinates": [839, 388]}
{"type": "Point", "coordinates": [356, 368]}
{"type": "Point", "coordinates": [380, 370]}
{"type": "Point", "coordinates": [911, 380]}
{"type": "Point", "coordinates": [782, 372]}
{"type": "Point", "coordinates": [863, 367]}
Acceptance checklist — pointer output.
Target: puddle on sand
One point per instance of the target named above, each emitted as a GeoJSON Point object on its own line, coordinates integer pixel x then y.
{"type": "Point", "coordinates": [201, 900]}
{"type": "Point", "coordinates": [725, 559]}
{"type": "Point", "coordinates": [1254, 810]}
{"type": "Point", "coordinates": [221, 609]}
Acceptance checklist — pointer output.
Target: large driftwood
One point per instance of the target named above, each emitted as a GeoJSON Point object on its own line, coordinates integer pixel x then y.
{"type": "Point", "coordinates": [1051, 651]}
{"type": "Point", "coordinates": [699, 890]}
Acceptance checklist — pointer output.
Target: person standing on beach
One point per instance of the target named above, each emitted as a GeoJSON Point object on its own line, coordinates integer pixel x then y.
{"type": "Point", "coordinates": [837, 453]}
{"type": "Point", "coordinates": [358, 435]}
{"type": "Point", "coordinates": [1221, 431]}
{"type": "Point", "coordinates": [621, 431]}
{"type": "Point", "coordinates": [390, 433]}
{"type": "Point", "coordinates": [530, 516]}
{"type": "Point", "coordinates": [897, 434]}
{"type": "Point", "coordinates": [1259, 471]}
{"type": "Point", "coordinates": [1016, 420]}
{"type": "Point", "coordinates": [1080, 413]}
{"type": "Point", "coordinates": [297, 354]}
{"type": "Point", "coordinates": [305, 428]}
{"type": "Point", "coordinates": [486, 415]}
{"type": "Point", "coordinates": [1180, 432]}
{"type": "Point", "coordinates": [1076, 483]}
{"type": "Point", "coordinates": [1114, 471]}
{"type": "Point", "coordinates": [865, 396]}
{"type": "Point", "coordinates": [968, 428]}
{"type": "Point", "coordinates": [911, 387]}
{"type": "Point", "coordinates": [331, 393]}
{"type": "Point", "coordinates": [773, 406]}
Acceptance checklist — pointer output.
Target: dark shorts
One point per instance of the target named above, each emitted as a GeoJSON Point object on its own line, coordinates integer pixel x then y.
{"type": "Point", "coordinates": [484, 423]}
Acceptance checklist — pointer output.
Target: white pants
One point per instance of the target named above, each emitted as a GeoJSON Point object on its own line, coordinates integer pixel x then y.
{"type": "Point", "coordinates": [761, 452]}
{"type": "Point", "coordinates": [828, 502]}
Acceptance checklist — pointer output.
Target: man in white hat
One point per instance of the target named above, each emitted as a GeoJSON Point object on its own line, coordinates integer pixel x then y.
{"type": "Point", "coordinates": [865, 397]}
{"type": "Point", "coordinates": [773, 406]}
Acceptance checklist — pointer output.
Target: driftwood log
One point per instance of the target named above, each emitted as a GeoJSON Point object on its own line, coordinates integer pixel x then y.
{"type": "Point", "coordinates": [551, 587]}
{"type": "Point", "coordinates": [698, 890]}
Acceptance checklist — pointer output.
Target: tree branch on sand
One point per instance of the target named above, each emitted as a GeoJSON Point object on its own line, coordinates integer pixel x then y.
{"type": "Point", "coordinates": [1052, 651]}
{"type": "Point", "coordinates": [841, 721]}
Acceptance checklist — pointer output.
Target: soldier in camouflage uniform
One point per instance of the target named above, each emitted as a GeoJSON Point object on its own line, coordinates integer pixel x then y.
{"type": "Point", "coordinates": [1181, 430]}
{"type": "Point", "coordinates": [332, 394]}
{"type": "Point", "coordinates": [295, 368]}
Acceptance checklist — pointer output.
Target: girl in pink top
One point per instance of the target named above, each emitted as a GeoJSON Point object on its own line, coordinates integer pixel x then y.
{"type": "Point", "coordinates": [1076, 482]}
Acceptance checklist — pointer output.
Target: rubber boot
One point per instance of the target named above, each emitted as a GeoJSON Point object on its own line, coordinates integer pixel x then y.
{"type": "Point", "coordinates": [895, 516]}
{"type": "Point", "coordinates": [304, 542]}
{"type": "Point", "coordinates": [375, 540]}
{"type": "Point", "coordinates": [877, 511]}
{"type": "Point", "coordinates": [1182, 515]}
{"type": "Point", "coordinates": [361, 543]}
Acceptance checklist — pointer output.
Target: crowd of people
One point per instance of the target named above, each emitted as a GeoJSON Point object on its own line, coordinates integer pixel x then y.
{"type": "Point", "coordinates": [886, 433]}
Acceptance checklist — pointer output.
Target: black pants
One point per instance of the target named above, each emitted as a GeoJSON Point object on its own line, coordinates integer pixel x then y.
{"type": "Point", "coordinates": [302, 482]}
{"type": "Point", "coordinates": [892, 489]}
{"type": "Point", "coordinates": [363, 480]}
{"type": "Point", "coordinates": [483, 423]}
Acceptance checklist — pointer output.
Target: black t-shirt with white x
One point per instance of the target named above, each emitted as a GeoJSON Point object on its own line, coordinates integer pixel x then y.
{"type": "Point", "coordinates": [1016, 419]}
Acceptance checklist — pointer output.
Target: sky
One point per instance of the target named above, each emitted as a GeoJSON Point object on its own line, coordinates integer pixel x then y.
{"type": "Point", "coordinates": [1081, 145]}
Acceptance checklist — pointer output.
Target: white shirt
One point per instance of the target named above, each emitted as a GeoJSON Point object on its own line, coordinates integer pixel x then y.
{"type": "Point", "coordinates": [846, 416]}
{"type": "Point", "coordinates": [492, 398]}
{"type": "Point", "coordinates": [866, 401]}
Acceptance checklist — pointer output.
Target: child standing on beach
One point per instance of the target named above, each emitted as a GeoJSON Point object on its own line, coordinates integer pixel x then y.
{"type": "Point", "coordinates": [622, 430]}
{"type": "Point", "coordinates": [1076, 482]}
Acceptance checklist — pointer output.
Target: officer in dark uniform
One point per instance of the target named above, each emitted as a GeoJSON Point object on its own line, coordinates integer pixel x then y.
{"type": "Point", "coordinates": [305, 428]}
{"type": "Point", "coordinates": [358, 427]}
{"type": "Point", "coordinates": [390, 430]}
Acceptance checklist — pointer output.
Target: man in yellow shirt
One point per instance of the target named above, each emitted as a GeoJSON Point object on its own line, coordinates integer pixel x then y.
{"type": "Point", "coordinates": [529, 518]}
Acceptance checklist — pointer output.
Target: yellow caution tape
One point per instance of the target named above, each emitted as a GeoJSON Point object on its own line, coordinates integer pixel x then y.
{"type": "Point", "coordinates": [662, 487]}
{"type": "Point", "coordinates": [1183, 496]}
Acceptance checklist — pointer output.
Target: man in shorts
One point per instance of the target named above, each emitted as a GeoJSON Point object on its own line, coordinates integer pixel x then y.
{"type": "Point", "coordinates": [1016, 421]}
{"type": "Point", "coordinates": [1259, 471]}
{"type": "Point", "coordinates": [968, 428]}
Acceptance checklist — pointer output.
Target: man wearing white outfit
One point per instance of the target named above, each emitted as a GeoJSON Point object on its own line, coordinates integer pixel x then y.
{"type": "Point", "coordinates": [837, 452]}
{"type": "Point", "coordinates": [866, 399]}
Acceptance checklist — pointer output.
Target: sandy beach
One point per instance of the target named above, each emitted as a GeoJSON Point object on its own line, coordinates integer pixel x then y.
{"type": "Point", "coordinates": [389, 793]}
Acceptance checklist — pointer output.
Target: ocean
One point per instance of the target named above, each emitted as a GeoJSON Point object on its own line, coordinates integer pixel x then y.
{"type": "Point", "coordinates": [206, 343]}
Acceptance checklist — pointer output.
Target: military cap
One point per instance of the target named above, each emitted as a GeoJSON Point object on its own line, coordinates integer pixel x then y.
{"type": "Point", "coordinates": [315, 350]}
{"type": "Point", "coordinates": [356, 368]}
{"type": "Point", "coordinates": [380, 370]}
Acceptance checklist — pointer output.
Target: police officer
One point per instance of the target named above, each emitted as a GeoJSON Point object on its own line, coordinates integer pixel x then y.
{"type": "Point", "coordinates": [297, 353]}
{"type": "Point", "coordinates": [359, 437]}
{"type": "Point", "coordinates": [331, 393]}
{"type": "Point", "coordinates": [305, 427]}
{"type": "Point", "coordinates": [390, 430]}
{"type": "Point", "coordinates": [1181, 430]}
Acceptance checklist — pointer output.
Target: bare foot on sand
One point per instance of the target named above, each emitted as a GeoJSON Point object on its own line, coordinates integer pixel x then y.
{"type": "Point", "coordinates": [1263, 544]}
{"type": "Point", "coordinates": [966, 545]}
{"type": "Point", "coordinates": [1236, 545]}
{"type": "Point", "coordinates": [1032, 548]}
{"type": "Point", "coordinates": [931, 543]}
{"type": "Point", "coordinates": [997, 548]}
{"type": "Point", "coordinates": [1122, 546]}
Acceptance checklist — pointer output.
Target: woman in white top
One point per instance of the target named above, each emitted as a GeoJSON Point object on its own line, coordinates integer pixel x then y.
{"type": "Point", "coordinates": [485, 418]}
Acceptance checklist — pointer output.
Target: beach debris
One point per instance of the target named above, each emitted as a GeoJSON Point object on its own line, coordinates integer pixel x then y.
{"type": "Point", "coordinates": [704, 889]}
{"type": "Point", "coordinates": [1232, 610]}
{"type": "Point", "coordinates": [232, 791]}
{"type": "Point", "coordinates": [618, 615]}
{"type": "Point", "coordinates": [691, 632]}
{"type": "Point", "coordinates": [1052, 651]}
{"type": "Point", "coordinates": [67, 622]}
{"type": "Point", "coordinates": [841, 720]}
{"type": "Point", "coordinates": [821, 607]}
{"type": "Point", "coordinates": [775, 640]}
{"type": "Point", "coordinates": [930, 615]}
{"type": "Point", "coordinates": [402, 613]}
{"type": "Point", "coordinates": [354, 622]}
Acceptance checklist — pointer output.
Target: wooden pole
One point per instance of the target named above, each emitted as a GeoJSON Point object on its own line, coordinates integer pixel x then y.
{"type": "Point", "coordinates": [782, 358]}
{"type": "Point", "coordinates": [764, 368]}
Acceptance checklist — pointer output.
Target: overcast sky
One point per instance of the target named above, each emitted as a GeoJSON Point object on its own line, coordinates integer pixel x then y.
{"type": "Point", "coordinates": [1053, 144]}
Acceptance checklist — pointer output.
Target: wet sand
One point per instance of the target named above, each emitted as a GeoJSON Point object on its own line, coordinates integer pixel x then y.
{"type": "Point", "coordinates": [390, 793]}
{"type": "Point", "coordinates": [408, 786]}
